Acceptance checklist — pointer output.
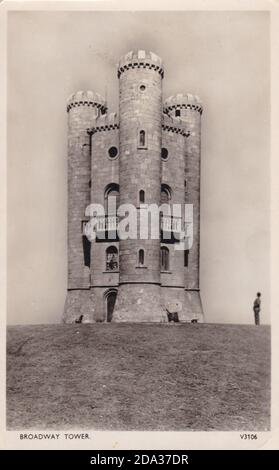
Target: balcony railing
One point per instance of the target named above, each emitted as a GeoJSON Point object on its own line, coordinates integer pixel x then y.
{"type": "Point", "coordinates": [171, 224]}
{"type": "Point", "coordinates": [106, 223]}
{"type": "Point", "coordinates": [106, 226]}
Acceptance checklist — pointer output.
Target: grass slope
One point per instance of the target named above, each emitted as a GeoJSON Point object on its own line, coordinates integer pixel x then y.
{"type": "Point", "coordinates": [138, 377]}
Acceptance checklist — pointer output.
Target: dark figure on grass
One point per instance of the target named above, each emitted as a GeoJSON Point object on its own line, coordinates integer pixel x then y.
{"type": "Point", "coordinates": [257, 308]}
{"type": "Point", "coordinates": [79, 320]}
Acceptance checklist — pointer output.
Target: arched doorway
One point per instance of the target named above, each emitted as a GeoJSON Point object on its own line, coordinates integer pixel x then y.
{"type": "Point", "coordinates": [110, 298]}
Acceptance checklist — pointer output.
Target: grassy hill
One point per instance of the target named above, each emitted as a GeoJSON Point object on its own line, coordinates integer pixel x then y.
{"type": "Point", "coordinates": [138, 377]}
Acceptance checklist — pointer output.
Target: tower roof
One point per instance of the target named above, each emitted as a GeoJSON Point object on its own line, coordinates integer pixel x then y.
{"type": "Point", "coordinates": [140, 58]}
{"type": "Point", "coordinates": [86, 98]}
{"type": "Point", "coordinates": [183, 100]}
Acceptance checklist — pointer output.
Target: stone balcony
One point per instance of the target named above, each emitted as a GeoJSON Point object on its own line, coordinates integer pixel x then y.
{"type": "Point", "coordinates": [170, 224]}
{"type": "Point", "coordinates": [107, 223]}
{"type": "Point", "coordinates": [171, 228]}
{"type": "Point", "coordinates": [106, 228]}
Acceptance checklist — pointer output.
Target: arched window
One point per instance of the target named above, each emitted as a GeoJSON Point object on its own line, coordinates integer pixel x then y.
{"type": "Point", "coordinates": [112, 258]}
{"type": "Point", "coordinates": [164, 153]}
{"type": "Point", "coordinates": [142, 196]}
{"type": "Point", "coordinates": [110, 298]}
{"type": "Point", "coordinates": [165, 262]}
{"type": "Point", "coordinates": [142, 138]}
{"type": "Point", "coordinates": [141, 257]}
{"type": "Point", "coordinates": [111, 199]}
{"type": "Point", "coordinates": [165, 194]}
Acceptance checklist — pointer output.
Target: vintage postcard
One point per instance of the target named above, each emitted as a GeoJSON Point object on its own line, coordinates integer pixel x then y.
{"type": "Point", "coordinates": [139, 206]}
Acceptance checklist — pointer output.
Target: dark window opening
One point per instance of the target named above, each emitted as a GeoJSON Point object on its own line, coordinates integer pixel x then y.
{"type": "Point", "coordinates": [177, 112]}
{"type": "Point", "coordinates": [164, 153]}
{"type": "Point", "coordinates": [165, 194]}
{"type": "Point", "coordinates": [113, 152]}
{"type": "Point", "coordinates": [186, 258]}
{"type": "Point", "coordinates": [141, 257]}
{"type": "Point", "coordinates": [142, 88]}
{"type": "Point", "coordinates": [112, 258]}
{"type": "Point", "coordinates": [141, 196]}
{"type": "Point", "coordinates": [112, 199]}
{"type": "Point", "coordinates": [142, 138]}
{"type": "Point", "coordinates": [110, 300]}
{"type": "Point", "coordinates": [89, 183]}
{"type": "Point", "coordinates": [165, 265]}
{"type": "Point", "coordinates": [86, 250]}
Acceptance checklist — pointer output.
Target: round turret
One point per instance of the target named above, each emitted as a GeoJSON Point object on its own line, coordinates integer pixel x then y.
{"type": "Point", "coordinates": [87, 98]}
{"type": "Point", "coordinates": [140, 130]}
{"type": "Point", "coordinates": [83, 109]}
{"type": "Point", "coordinates": [182, 101]}
{"type": "Point", "coordinates": [188, 108]}
{"type": "Point", "coordinates": [174, 137]}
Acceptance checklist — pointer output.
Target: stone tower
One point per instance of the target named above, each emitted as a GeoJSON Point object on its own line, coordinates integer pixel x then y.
{"type": "Point", "coordinates": [82, 108]}
{"type": "Point", "coordinates": [149, 155]}
{"type": "Point", "coordinates": [189, 109]}
{"type": "Point", "coordinates": [140, 112]}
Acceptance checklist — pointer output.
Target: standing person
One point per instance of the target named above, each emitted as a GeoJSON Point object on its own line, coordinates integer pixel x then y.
{"type": "Point", "coordinates": [257, 308]}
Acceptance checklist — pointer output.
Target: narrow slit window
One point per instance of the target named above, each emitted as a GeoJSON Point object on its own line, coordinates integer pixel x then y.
{"type": "Point", "coordinates": [142, 138]}
{"type": "Point", "coordinates": [86, 250]}
{"type": "Point", "coordinates": [141, 257]}
{"type": "Point", "coordinates": [186, 258]}
{"type": "Point", "coordinates": [142, 196]}
{"type": "Point", "coordinates": [165, 264]}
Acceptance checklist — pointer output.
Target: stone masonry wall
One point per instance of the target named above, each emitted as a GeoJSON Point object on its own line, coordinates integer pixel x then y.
{"type": "Point", "coordinates": [173, 174]}
{"type": "Point", "coordinates": [140, 110]}
{"type": "Point", "coordinates": [190, 109]}
{"type": "Point", "coordinates": [105, 171]}
{"type": "Point", "coordinates": [83, 107]}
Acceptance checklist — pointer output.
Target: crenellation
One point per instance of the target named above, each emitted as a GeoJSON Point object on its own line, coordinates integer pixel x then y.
{"type": "Point", "coordinates": [140, 59]}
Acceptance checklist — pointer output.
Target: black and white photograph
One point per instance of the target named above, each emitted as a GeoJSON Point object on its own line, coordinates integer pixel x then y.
{"type": "Point", "coordinates": [138, 225]}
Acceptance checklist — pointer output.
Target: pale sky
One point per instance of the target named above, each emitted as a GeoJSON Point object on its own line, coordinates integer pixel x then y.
{"type": "Point", "coordinates": [221, 56]}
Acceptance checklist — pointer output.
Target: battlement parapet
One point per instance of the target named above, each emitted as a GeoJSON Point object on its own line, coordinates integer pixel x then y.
{"type": "Point", "coordinates": [103, 123]}
{"type": "Point", "coordinates": [140, 59]}
{"type": "Point", "coordinates": [86, 98]}
{"type": "Point", "coordinates": [174, 124]}
{"type": "Point", "coordinates": [183, 101]}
